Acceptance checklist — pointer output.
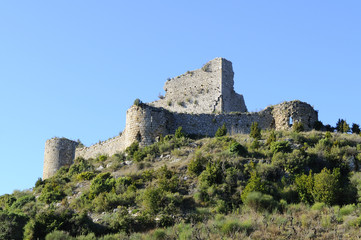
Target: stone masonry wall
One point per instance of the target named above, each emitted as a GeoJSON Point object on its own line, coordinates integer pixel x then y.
{"type": "Point", "coordinates": [231, 101]}
{"type": "Point", "coordinates": [145, 123]}
{"type": "Point", "coordinates": [287, 113]}
{"type": "Point", "coordinates": [199, 101]}
{"type": "Point", "coordinates": [205, 90]}
{"type": "Point", "coordinates": [208, 124]}
{"type": "Point", "coordinates": [108, 147]}
{"type": "Point", "coordinates": [58, 152]}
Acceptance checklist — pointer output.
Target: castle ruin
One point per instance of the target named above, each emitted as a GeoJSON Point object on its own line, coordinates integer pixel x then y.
{"type": "Point", "coordinates": [199, 101]}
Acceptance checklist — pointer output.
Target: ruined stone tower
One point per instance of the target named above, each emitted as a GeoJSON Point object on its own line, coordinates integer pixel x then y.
{"type": "Point", "coordinates": [58, 152]}
{"type": "Point", "coordinates": [199, 101]}
{"type": "Point", "coordinates": [206, 90]}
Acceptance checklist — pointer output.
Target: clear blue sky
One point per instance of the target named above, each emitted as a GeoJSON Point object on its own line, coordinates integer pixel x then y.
{"type": "Point", "coordinates": [72, 68]}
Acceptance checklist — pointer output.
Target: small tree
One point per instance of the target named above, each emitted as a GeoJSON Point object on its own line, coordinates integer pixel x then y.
{"type": "Point", "coordinates": [281, 146]}
{"type": "Point", "coordinates": [255, 131]}
{"type": "Point", "coordinates": [342, 126]}
{"type": "Point", "coordinates": [355, 128]}
{"type": "Point", "coordinates": [298, 127]}
{"type": "Point", "coordinates": [304, 184]}
{"type": "Point", "coordinates": [255, 183]}
{"type": "Point", "coordinates": [238, 149]}
{"type": "Point", "coordinates": [222, 131]}
{"type": "Point", "coordinates": [345, 127]}
{"type": "Point", "coordinates": [272, 138]}
{"type": "Point", "coordinates": [327, 186]}
{"type": "Point", "coordinates": [179, 133]}
{"type": "Point", "coordinates": [137, 102]}
{"type": "Point", "coordinates": [318, 125]}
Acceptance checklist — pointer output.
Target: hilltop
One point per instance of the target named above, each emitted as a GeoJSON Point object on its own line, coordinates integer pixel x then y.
{"type": "Point", "coordinates": [262, 185]}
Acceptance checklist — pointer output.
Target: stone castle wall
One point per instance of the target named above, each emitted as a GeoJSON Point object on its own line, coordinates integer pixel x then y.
{"type": "Point", "coordinates": [296, 111]}
{"type": "Point", "coordinates": [231, 101]}
{"type": "Point", "coordinates": [206, 90]}
{"type": "Point", "coordinates": [199, 101]}
{"type": "Point", "coordinates": [144, 123]}
{"type": "Point", "coordinates": [108, 147]}
{"type": "Point", "coordinates": [58, 152]}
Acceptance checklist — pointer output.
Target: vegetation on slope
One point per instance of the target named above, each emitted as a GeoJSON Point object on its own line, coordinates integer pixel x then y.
{"type": "Point", "coordinates": [266, 185]}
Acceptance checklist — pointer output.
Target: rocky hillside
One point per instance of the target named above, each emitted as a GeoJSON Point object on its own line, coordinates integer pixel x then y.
{"type": "Point", "coordinates": [266, 185]}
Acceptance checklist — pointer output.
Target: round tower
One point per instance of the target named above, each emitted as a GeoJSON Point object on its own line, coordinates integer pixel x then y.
{"type": "Point", "coordinates": [145, 123]}
{"type": "Point", "coordinates": [58, 152]}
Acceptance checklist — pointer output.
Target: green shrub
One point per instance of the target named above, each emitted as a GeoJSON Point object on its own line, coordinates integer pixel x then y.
{"type": "Point", "coordinates": [107, 201]}
{"type": "Point", "coordinates": [80, 165]}
{"type": "Point", "coordinates": [259, 201]}
{"type": "Point", "coordinates": [296, 161]}
{"type": "Point", "coordinates": [318, 206]}
{"type": "Point", "coordinates": [254, 184]}
{"type": "Point", "coordinates": [139, 155]}
{"type": "Point", "coordinates": [102, 158]}
{"type": "Point", "coordinates": [231, 227]}
{"type": "Point", "coordinates": [237, 148]}
{"type": "Point", "coordinates": [255, 131]}
{"type": "Point", "coordinates": [318, 125]}
{"type": "Point", "coordinates": [137, 102]}
{"type": "Point", "coordinates": [39, 183]}
{"type": "Point", "coordinates": [47, 221]}
{"type": "Point", "coordinates": [213, 174]}
{"type": "Point", "coordinates": [255, 144]}
{"type": "Point", "coordinates": [91, 236]}
{"type": "Point", "coordinates": [222, 131]}
{"type": "Point", "coordinates": [22, 201]}
{"type": "Point", "coordinates": [298, 127]}
{"type": "Point", "coordinates": [347, 209]}
{"type": "Point", "coordinates": [52, 191]}
{"type": "Point", "coordinates": [179, 133]}
{"type": "Point", "coordinates": [271, 138]}
{"type": "Point", "coordinates": [197, 164]}
{"type": "Point", "coordinates": [11, 225]}
{"type": "Point", "coordinates": [151, 200]}
{"type": "Point", "coordinates": [159, 234]}
{"type": "Point", "coordinates": [327, 186]}
{"type": "Point", "coordinates": [281, 146]}
{"type": "Point", "coordinates": [304, 184]}
{"type": "Point", "coordinates": [58, 235]}
{"type": "Point", "coordinates": [134, 147]}
{"type": "Point", "coordinates": [167, 179]}
{"type": "Point", "coordinates": [103, 182]}
{"type": "Point", "coordinates": [85, 176]}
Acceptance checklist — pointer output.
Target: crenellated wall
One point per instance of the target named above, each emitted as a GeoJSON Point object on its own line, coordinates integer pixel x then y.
{"type": "Point", "coordinates": [206, 100]}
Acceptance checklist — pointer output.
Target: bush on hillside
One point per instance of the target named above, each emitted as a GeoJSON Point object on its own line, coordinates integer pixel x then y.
{"type": "Point", "coordinates": [281, 146]}
{"type": "Point", "coordinates": [255, 131]}
{"type": "Point", "coordinates": [222, 131]}
{"type": "Point", "coordinates": [238, 149]}
{"type": "Point", "coordinates": [260, 202]}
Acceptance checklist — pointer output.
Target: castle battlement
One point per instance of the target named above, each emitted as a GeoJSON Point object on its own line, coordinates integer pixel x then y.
{"type": "Point", "coordinates": [199, 101]}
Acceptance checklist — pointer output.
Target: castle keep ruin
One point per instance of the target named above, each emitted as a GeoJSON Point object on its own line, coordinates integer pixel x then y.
{"type": "Point", "coordinates": [200, 101]}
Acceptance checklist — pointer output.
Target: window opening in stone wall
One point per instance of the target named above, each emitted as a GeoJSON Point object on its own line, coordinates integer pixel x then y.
{"type": "Point", "coordinates": [138, 137]}
{"type": "Point", "coordinates": [290, 121]}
